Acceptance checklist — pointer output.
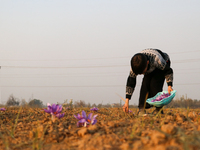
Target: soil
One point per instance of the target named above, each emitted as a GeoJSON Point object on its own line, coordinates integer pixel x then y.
{"type": "Point", "coordinates": [32, 128]}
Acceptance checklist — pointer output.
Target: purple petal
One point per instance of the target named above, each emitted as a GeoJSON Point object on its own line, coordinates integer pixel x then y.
{"type": "Point", "coordinates": [54, 108]}
{"type": "Point", "coordinates": [94, 121]}
{"type": "Point", "coordinates": [76, 117]}
{"type": "Point", "coordinates": [84, 114]}
{"type": "Point", "coordinates": [49, 107]}
{"type": "Point", "coordinates": [47, 111]}
{"type": "Point", "coordinates": [94, 116]}
{"type": "Point", "coordinates": [78, 124]}
{"type": "Point", "coordinates": [57, 115]}
{"type": "Point", "coordinates": [79, 116]}
{"type": "Point", "coordinates": [82, 121]}
{"type": "Point", "coordinates": [59, 109]}
{"type": "Point", "coordinates": [48, 104]}
{"type": "Point", "coordinates": [60, 115]}
{"type": "Point", "coordinates": [90, 116]}
{"type": "Point", "coordinates": [2, 109]}
{"type": "Point", "coordinates": [94, 109]}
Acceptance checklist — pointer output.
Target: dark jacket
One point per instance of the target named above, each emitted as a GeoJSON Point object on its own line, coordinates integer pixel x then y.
{"type": "Point", "coordinates": [157, 59]}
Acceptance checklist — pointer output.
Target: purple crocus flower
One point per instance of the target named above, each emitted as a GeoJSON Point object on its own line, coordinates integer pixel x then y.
{"type": "Point", "coordinates": [94, 109]}
{"type": "Point", "coordinates": [2, 109]}
{"type": "Point", "coordinates": [130, 111]}
{"type": "Point", "coordinates": [60, 115]}
{"type": "Point", "coordinates": [67, 108]}
{"type": "Point", "coordinates": [54, 110]}
{"type": "Point", "coordinates": [84, 120]}
{"type": "Point", "coordinates": [162, 96]}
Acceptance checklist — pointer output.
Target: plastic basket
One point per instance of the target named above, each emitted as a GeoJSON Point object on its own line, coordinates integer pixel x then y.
{"type": "Point", "coordinates": [162, 102]}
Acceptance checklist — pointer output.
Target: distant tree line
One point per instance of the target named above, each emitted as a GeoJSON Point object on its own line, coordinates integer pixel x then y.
{"type": "Point", "coordinates": [81, 103]}
{"type": "Point", "coordinates": [182, 102]}
{"type": "Point", "coordinates": [13, 101]}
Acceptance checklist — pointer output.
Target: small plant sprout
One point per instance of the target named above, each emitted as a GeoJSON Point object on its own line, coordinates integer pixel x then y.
{"type": "Point", "coordinates": [54, 110]}
{"type": "Point", "coordinates": [84, 120]}
{"type": "Point", "coordinates": [94, 109]}
{"type": "Point", "coordinates": [2, 109]}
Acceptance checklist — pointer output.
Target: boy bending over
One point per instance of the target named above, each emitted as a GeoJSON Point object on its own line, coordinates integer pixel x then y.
{"type": "Point", "coordinates": [155, 66]}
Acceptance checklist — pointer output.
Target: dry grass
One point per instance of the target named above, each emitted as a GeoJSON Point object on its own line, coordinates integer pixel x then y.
{"type": "Point", "coordinates": [32, 129]}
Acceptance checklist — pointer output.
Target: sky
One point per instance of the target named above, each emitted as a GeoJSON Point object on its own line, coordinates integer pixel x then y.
{"type": "Point", "coordinates": [81, 49]}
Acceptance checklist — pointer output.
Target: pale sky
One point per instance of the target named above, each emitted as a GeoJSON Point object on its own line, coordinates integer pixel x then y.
{"type": "Point", "coordinates": [81, 49]}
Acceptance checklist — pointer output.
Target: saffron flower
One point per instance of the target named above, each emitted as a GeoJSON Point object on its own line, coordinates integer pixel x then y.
{"type": "Point", "coordinates": [130, 111]}
{"type": "Point", "coordinates": [162, 96]}
{"type": "Point", "coordinates": [94, 109]}
{"type": "Point", "coordinates": [67, 108]}
{"type": "Point", "coordinates": [54, 110]}
{"type": "Point", "coordinates": [2, 109]}
{"type": "Point", "coordinates": [84, 120]}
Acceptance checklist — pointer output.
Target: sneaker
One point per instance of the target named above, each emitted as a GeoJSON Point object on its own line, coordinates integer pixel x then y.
{"type": "Point", "coordinates": [156, 111]}
{"type": "Point", "coordinates": [142, 113]}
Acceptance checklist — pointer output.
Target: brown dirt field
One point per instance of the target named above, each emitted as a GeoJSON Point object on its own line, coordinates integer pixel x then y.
{"type": "Point", "coordinates": [32, 129]}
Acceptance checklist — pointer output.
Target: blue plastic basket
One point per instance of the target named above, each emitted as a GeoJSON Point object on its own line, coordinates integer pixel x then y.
{"type": "Point", "coordinates": [162, 102]}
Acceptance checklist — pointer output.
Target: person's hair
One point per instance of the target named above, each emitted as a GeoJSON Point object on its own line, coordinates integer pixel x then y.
{"type": "Point", "coordinates": [138, 63]}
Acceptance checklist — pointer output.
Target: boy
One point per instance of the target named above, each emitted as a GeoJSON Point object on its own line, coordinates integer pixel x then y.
{"type": "Point", "coordinates": [155, 66]}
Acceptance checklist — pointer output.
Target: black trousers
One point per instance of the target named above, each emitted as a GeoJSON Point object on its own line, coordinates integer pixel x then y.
{"type": "Point", "coordinates": [152, 84]}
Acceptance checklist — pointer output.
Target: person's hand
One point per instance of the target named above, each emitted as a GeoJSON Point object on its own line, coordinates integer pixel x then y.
{"type": "Point", "coordinates": [170, 89]}
{"type": "Point", "coordinates": [126, 106]}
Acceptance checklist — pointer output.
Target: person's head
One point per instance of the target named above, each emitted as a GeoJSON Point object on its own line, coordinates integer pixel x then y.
{"type": "Point", "coordinates": [139, 63]}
